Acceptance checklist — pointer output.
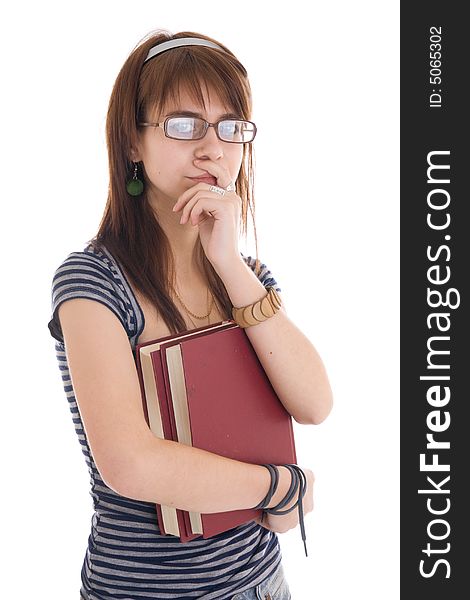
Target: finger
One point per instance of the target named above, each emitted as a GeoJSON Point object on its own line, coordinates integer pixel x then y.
{"type": "Point", "coordinates": [187, 209]}
{"type": "Point", "coordinates": [199, 214]}
{"type": "Point", "coordinates": [221, 173]}
{"type": "Point", "coordinates": [216, 209]}
{"type": "Point", "coordinates": [188, 194]}
{"type": "Point", "coordinates": [201, 195]}
{"type": "Point", "coordinates": [212, 202]}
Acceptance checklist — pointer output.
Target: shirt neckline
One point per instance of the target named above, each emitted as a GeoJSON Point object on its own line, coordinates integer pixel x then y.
{"type": "Point", "coordinates": [140, 317]}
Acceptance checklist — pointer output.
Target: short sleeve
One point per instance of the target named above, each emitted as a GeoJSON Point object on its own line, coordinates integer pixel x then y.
{"type": "Point", "coordinates": [264, 275]}
{"type": "Point", "coordinates": [84, 275]}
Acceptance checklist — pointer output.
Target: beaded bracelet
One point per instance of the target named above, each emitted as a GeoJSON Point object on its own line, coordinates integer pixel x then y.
{"type": "Point", "coordinates": [297, 479]}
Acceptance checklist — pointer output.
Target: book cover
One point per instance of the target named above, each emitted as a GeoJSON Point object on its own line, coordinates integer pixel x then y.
{"type": "Point", "coordinates": [159, 415]}
{"type": "Point", "coordinates": [214, 394]}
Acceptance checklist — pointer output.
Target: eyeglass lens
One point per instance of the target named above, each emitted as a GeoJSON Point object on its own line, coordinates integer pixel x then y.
{"type": "Point", "coordinates": [192, 128]}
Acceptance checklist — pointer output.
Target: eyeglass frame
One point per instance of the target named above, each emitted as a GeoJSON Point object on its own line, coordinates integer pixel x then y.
{"type": "Point", "coordinates": [207, 125]}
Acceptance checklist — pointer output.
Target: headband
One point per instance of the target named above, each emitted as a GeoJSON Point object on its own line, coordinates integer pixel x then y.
{"type": "Point", "coordinates": [188, 41]}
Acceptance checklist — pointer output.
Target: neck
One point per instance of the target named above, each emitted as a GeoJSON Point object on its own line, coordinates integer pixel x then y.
{"type": "Point", "coordinates": [183, 239]}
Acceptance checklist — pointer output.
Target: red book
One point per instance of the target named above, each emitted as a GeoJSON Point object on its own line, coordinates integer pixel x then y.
{"type": "Point", "coordinates": [207, 388]}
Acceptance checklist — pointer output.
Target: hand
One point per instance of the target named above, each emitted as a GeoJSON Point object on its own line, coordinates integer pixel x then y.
{"type": "Point", "coordinates": [217, 216]}
{"type": "Point", "coordinates": [283, 523]}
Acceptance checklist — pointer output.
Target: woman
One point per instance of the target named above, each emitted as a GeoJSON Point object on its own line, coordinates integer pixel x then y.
{"type": "Point", "coordinates": [165, 260]}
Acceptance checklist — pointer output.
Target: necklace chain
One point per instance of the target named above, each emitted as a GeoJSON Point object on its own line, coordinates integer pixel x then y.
{"type": "Point", "coordinates": [200, 317]}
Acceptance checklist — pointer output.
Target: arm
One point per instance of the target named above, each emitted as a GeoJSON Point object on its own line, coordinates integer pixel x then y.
{"type": "Point", "coordinates": [188, 478]}
{"type": "Point", "coordinates": [130, 459]}
{"type": "Point", "coordinates": [291, 362]}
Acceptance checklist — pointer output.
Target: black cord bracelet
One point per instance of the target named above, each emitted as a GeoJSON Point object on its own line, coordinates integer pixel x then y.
{"type": "Point", "coordinates": [272, 488]}
{"type": "Point", "coordinates": [298, 479]}
{"type": "Point", "coordinates": [291, 492]}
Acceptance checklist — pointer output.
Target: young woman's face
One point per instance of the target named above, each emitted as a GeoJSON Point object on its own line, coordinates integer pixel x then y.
{"type": "Point", "coordinates": [169, 163]}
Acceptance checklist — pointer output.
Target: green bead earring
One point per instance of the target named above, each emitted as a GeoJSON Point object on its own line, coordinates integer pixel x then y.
{"type": "Point", "coordinates": [135, 186]}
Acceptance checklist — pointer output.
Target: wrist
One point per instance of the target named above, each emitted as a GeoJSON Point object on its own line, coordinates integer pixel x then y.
{"type": "Point", "coordinates": [242, 285]}
{"type": "Point", "coordinates": [284, 483]}
{"type": "Point", "coordinates": [226, 268]}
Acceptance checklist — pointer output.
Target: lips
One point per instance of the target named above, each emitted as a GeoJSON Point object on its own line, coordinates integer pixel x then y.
{"type": "Point", "coordinates": [205, 179]}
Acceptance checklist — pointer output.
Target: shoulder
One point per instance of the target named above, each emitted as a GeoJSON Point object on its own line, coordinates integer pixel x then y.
{"type": "Point", "coordinates": [264, 274]}
{"type": "Point", "coordinates": [83, 264]}
{"type": "Point", "coordinates": [90, 269]}
{"type": "Point", "coordinates": [91, 273]}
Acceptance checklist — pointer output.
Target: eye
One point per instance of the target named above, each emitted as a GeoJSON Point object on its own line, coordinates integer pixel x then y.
{"type": "Point", "coordinates": [182, 125]}
{"type": "Point", "coordinates": [228, 128]}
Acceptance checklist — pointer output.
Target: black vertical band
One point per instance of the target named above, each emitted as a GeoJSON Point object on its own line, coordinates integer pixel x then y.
{"type": "Point", "coordinates": [435, 357]}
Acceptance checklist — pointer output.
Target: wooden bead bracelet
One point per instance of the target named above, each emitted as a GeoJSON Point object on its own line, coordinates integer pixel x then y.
{"type": "Point", "coordinates": [253, 314]}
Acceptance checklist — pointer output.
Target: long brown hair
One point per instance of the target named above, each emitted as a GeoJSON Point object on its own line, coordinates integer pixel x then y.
{"type": "Point", "coordinates": [129, 228]}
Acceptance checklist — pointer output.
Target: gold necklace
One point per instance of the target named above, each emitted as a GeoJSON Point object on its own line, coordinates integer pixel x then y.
{"type": "Point", "coordinates": [200, 317]}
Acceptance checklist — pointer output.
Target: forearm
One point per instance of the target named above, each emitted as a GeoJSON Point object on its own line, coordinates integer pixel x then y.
{"type": "Point", "coordinates": [290, 360]}
{"type": "Point", "coordinates": [174, 474]}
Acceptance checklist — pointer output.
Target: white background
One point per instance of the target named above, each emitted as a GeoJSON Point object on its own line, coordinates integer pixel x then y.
{"type": "Point", "coordinates": [327, 219]}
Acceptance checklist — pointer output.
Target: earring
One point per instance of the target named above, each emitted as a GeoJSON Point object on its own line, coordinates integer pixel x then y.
{"type": "Point", "coordinates": [135, 186]}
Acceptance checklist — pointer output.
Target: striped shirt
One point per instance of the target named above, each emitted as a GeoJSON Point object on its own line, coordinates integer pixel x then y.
{"type": "Point", "coordinates": [127, 557]}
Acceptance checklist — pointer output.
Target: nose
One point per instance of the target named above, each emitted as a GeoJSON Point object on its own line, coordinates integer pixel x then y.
{"type": "Point", "coordinates": [210, 146]}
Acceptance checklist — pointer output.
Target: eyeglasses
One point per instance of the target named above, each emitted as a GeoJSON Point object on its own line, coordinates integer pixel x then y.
{"type": "Point", "coordinates": [234, 131]}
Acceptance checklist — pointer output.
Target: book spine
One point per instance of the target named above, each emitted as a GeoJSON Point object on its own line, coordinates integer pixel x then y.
{"type": "Point", "coordinates": [142, 387]}
{"type": "Point", "coordinates": [164, 396]}
{"type": "Point", "coordinates": [169, 431]}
